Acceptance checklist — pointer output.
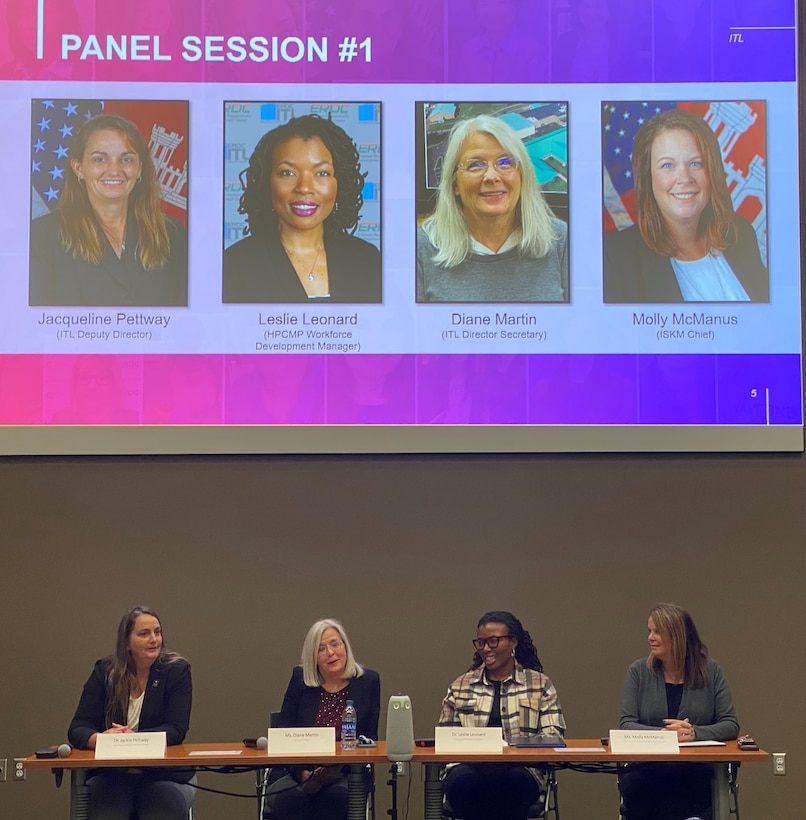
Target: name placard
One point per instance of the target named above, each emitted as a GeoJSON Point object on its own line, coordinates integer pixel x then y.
{"type": "Point", "coordinates": [314, 740]}
{"type": "Point", "coordinates": [643, 742]}
{"type": "Point", "coordinates": [481, 740]}
{"type": "Point", "coordinates": [130, 746]}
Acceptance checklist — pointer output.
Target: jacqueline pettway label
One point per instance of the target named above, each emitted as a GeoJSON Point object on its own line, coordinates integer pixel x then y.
{"type": "Point", "coordinates": [130, 746]}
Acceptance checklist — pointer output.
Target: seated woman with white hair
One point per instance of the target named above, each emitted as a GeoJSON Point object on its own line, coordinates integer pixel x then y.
{"type": "Point", "coordinates": [492, 237]}
{"type": "Point", "coordinates": [327, 677]}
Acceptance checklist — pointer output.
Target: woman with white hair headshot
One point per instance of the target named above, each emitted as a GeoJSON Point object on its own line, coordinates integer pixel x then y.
{"type": "Point", "coordinates": [327, 677]}
{"type": "Point", "coordinates": [491, 237]}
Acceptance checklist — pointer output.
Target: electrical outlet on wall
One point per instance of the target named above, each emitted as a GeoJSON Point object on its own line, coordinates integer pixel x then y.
{"type": "Point", "coordinates": [779, 763]}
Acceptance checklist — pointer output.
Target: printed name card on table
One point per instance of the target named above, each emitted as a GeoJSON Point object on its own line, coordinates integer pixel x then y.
{"type": "Point", "coordinates": [302, 741]}
{"type": "Point", "coordinates": [643, 742]}
{"type": "Point", "coordinates": [479, 740]}
{"type": "Point", "coordinates": [130, 746]}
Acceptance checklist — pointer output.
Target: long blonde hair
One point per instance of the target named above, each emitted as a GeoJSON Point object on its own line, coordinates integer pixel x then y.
{"type": "Point", "coordinates": [446, 227]}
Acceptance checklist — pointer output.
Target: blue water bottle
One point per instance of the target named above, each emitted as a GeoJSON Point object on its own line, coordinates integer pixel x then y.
{"type": "Point", "coordinates": [348, 727]}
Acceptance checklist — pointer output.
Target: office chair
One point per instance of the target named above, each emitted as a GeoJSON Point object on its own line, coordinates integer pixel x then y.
{"type": "Point", "coordinates": [733, 789]}
{"type": "Point", "coordinates": [263, 779]}
{"type": "Point", "coordinates": [547, 804]}
{"type": "Point", "coordinates": [731, 772]}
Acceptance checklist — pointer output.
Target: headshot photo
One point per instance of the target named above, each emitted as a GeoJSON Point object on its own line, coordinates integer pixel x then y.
{"type": "Point", "coordinates": [109, 203]}
{"type": "Point", "coordinates": [302, 203]}
{"type": "Point", "coordinates": [492, 181]}
{"type": "Point", "coordinates": [685, 202]}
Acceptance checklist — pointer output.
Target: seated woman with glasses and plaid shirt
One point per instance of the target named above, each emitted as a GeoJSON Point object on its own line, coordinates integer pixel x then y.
{"type": "Point", "coordinates": [505, 686]}
{"type": "Point", "coordinates": [492, 237]}
{"type": "Point", "coordinates": [328, 675]}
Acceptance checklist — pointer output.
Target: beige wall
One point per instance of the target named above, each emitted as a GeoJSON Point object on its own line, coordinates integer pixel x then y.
{"type": "Point", "coordinates": [240, 555]}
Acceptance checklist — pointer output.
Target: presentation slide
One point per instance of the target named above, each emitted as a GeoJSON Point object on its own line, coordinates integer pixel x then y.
{"type": "Point", "coordinates": [339, 226]}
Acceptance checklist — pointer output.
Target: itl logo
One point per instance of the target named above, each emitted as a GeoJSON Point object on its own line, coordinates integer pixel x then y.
{"type": "Point", "coordinates": [235, 152]}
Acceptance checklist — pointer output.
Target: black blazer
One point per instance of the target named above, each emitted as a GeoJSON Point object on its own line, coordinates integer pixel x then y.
{"type": "Point", "coordinates": [166, 708]}
{"type": "Point", "coordinates": [301, 702]}
{"type": "Point", "coordinates": [258, 271]}
{"type": "Point", "coordinates": [633, 274]}
{"type": "Point", "coordinates": [57, 278]}
{"type": "Point", "coordinates": [166, 705]}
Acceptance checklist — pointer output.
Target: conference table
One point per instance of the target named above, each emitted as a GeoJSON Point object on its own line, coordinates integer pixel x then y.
{"type": "Point", "coordinates": [594, 756]}
{"type": "Point", "coordinates": [588, 753]}
{"type": "Point", "coordinates": [201, 756]}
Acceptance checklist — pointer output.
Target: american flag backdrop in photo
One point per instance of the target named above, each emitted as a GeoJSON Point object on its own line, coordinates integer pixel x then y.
{"type": "Point", "coordinates": [55, 123]}
{"type": "Point", "coordinates": [740, 128]}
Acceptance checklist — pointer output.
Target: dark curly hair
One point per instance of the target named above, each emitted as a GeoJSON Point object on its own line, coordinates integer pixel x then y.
{"type": "Point", "coordinates": [255, 200]}
{"type": "Point", "coordinates": [525, 652]}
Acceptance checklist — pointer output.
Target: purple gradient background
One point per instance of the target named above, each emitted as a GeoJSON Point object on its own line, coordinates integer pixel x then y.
{"type": "Point", "coordinates": [425, 41]}
{"type": "Point", "coordinates": [400, 389]}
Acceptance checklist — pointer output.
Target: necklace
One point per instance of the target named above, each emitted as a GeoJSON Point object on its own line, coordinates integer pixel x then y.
{"type": "Point", "coordinates": [116, 240]}
{"type": "Point", "coordinates": [295, 258]}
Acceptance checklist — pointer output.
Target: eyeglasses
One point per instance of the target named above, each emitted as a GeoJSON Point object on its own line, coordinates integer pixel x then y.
{"type": "Point", "coordinates": [492, 642]}
{"type": "Point", "coordinates": [478, 167]}
{"type": "Point", "coordinates": [334, 645]}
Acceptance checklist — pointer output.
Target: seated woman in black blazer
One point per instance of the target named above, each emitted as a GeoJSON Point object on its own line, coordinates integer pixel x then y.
{"type": "Point", "coordinates": [316, 696]}
{"type": "Point", "coordinates": [142, 687]}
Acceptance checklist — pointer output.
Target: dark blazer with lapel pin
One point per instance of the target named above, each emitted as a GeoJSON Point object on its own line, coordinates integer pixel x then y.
{"type": "Point", "coordinates": [166, 708]}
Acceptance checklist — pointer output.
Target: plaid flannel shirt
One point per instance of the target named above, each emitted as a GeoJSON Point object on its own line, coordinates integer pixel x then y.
{"type": "Point", "coordinates": [529, 703]}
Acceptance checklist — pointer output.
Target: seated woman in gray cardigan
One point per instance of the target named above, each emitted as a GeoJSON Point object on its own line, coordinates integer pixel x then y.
{"type": "Point", "coordinates": [680, 689]}
{"type": "Point", "coordinates": [492, 237]}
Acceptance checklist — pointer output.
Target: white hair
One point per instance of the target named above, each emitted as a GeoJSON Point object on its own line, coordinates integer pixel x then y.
{"type": "Point", "coordinates": [446, 227]}
{"type": "Point", "coordinates": [310, 653]}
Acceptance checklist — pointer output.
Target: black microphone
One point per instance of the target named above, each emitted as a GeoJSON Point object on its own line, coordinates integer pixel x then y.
{"type": "Point", "coordinates": [262, 743]}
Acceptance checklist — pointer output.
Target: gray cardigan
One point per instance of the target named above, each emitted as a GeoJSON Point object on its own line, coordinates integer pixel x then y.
{"type": "Point", "coordinates": [502, 277]}
{"type": "Point", "coordinates": [709, 710]}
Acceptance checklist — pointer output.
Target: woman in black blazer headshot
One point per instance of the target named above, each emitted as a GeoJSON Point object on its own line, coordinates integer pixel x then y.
{"type": "Point", "coordinates": [689, 244]}
{"type": "Point", "coordinates": [142, 687]}
{"type": "Point", "coordinates": [328, 675]}
{"type": "Point", "coordinates": [108, 242]}
{"type": "Point", "coordinates": [302, 198]}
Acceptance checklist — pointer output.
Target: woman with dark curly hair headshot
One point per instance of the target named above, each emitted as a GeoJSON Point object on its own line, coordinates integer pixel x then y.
{"type": "Point", "coordinates": [302, 200]}
{"type": "Point", "coordinates": [689, 244]}
{"type": "Point", "coordinates": [505, 686]}
{"type": "Point", "coordinates": [108, 242]}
